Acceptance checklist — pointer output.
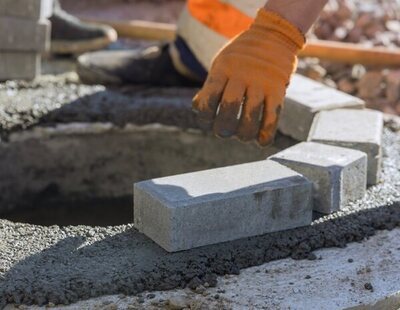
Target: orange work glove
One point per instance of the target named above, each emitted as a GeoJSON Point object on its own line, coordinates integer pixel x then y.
{"type": "Point", "coordinates": [247, 82]}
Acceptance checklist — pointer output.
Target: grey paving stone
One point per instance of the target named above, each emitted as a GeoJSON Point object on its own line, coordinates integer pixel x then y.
{"type": "Point", "coordinates": [305, 98]}
{"type": "Point", "coordinates": [211, 206]}
{"type": "Point", "coordinates": [28, 9]}
{"type": "Point", "coordinates": [15, 65]}
{"type": "Point", "coordinates": [357, 129]}
{"type": "Point", "coordinates": [19, 34]}
{"type": "Point", "coordinates": [339, 174]}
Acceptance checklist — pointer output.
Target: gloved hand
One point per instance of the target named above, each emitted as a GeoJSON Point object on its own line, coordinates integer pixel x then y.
{"type": "Point", "coordinates": [247, 82]}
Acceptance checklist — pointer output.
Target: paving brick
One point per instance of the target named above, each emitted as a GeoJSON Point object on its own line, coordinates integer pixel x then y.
{"type": "Point", "coordinates": [357, 129]}
{"type": "Point", "coordinates": [28, 9]}
{"type": "Point", "coordinates": [16, 65]}
{"type": "Point", "coordinates": [339, 174]}
{"type": "Point", "coordinates": [304, 99]}
{"type": "Point", "coordinates": [24, 35]}
{"type": "Point", "coordinates": [211, 206]}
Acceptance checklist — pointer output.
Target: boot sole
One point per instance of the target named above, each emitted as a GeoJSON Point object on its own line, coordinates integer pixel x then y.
{"type": "Point", "coordinates": [63, 47]}
{"type": "Point", "coordinates": [91, 75]}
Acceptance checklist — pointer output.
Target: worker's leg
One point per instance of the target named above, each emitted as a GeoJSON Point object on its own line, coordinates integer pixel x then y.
{"type": "Point", "coordinates": [204, 27]}
{"type": "Point", "coordinates": [70, 35]}
{"type": "Point", "coordinates": [151, 66]}
{"type": "Point", "coordinates": [172, 64]}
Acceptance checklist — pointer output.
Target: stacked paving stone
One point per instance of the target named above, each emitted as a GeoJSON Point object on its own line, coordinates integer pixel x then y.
{"type": "Point", "coordinates": [338, 155]}
{"type": "Point", "coordinates": [24, 36]}
{"type": "Point", "coordinates": [304, 99]}
{"type": "Point", "coordinates": [338, 174]}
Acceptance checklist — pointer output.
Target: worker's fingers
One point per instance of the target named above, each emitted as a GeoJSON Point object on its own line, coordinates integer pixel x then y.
{"type": "Point", "coordinates": [229, 110]}
{"type": "Point", "coordinates": [252, 113]}
{"type": "Point", "coordinates": [205, 103]}
{"type": "Point", "coordinates": [269, 124]}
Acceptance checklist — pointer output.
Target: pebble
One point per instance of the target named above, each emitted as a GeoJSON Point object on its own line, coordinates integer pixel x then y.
{"type": "Point", "coordinates": [194, 283]}
{"type": "Point", "coordinates": [370, 85]}
{"type": "Point", "coordinates": [311, 256]}
{"type": "Point", "coordinates": [178, 303]}
{"type": "Point", "coordinates": [200, 289]}
{"type": "Point", "coordinates": [368, 286]}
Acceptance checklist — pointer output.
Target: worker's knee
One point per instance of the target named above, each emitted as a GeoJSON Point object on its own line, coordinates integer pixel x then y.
{"type": "Point", "coordinates": [185, 60]}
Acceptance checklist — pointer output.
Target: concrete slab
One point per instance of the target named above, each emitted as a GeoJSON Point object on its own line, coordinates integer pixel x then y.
{"type": "Point", "coordinates": [212, 206]}
{"type": "Point", "coordinates": [304, 99]}
{"type": "Point", "coordinates": [336, 281]}
{"type": "Point", "coordinates": [27, 9]}
{"type": "Point", "coordinates": [357, 129]}
{"type": "Point", "coordinates": [16, 65]}
{"type": "Point", "coordinates": [339, 175]}
{"type": "Point", "coordinates": [24, 35]}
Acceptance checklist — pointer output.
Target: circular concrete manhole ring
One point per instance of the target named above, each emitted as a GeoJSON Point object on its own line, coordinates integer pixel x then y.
{"type": "Point", "coordinates": [72, 170]}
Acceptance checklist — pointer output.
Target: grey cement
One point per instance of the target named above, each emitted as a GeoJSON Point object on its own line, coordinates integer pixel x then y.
{"type": "Point", "coordinates": [66, 264]}
{"type": "Point", "coordinates": [190, 210]}
{"type": "Point", "coordinates": [339, 174]}
{"type": "Point", "coordinates": [335, 281]}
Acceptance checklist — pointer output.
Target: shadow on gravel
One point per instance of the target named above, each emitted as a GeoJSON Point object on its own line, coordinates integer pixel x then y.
{"type": "Point", "coordinates": [61, 211]}
{"type": "Point", "coordinates": [50, 103]}
{"type": "Point", "coordinates": [120, 106]}
{"type": "Point", "coordinates": [79, 267]}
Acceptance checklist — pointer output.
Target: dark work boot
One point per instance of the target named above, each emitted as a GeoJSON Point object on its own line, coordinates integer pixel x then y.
{"type": "Point", "coordinates": [151, 66]}
{"type": "Point", "coordinates": [69, 35]}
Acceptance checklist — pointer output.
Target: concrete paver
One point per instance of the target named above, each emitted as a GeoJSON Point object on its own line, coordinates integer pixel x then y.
{"type": "Point", "coordinates": [19, 34]}
{"type": "Point", "coordinates": [304, 99]}
{"type": "Point", "coordinates": [211, 206]}
{"type": "Point", "coordinates": [339, 174]}
{"type": "Point", "coordinates": [28, 9]}
{"type": "Point", "coordinates": [356, 129]}
{"type": "Point", "coordinates": [17, 65]}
